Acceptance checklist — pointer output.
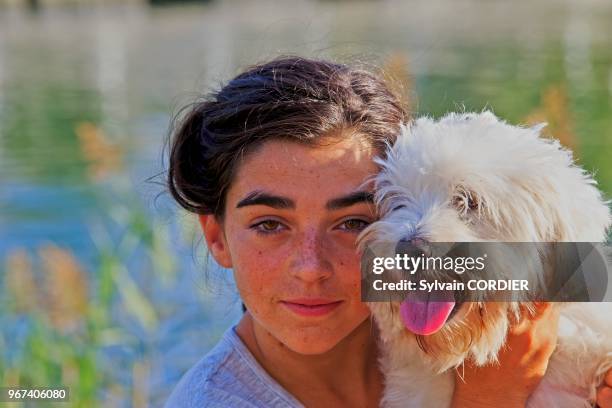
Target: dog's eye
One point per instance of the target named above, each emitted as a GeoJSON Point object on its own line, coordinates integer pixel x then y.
{"type": "Point", "coordinates": [472, 203]}
{"type": "Point", "coordinates": [465, 201]}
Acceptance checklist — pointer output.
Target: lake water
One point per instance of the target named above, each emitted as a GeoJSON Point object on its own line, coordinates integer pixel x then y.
{"type": "Point", "coordinates": [103, 284]}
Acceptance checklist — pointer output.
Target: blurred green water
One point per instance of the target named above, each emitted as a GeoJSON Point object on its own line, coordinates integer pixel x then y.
{"type": "Point", "coordinates": [85, 99]}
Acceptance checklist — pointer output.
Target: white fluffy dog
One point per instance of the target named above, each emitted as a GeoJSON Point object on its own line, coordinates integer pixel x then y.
{"type": "Point", "coordinates": [469, 178]}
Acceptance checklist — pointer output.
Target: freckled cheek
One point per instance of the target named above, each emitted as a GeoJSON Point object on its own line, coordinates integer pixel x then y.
{"type": "Point", "coordinates": [349, 270]}
{"type": "Point", "coordinates": [349, 273]}
{"type": "Point", "coordinates": [259, 277]}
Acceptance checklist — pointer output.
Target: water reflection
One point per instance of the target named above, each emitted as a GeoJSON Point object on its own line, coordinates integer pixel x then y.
{"type": "Point", "coordinates": [85, 99]}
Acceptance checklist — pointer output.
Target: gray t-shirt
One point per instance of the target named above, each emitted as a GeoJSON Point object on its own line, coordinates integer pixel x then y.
{"type": "Point", "coordinates": [229, 376]}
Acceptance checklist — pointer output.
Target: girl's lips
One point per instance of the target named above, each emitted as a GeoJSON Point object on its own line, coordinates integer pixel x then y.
{"type": "Point", "coordinates": [311, 307]}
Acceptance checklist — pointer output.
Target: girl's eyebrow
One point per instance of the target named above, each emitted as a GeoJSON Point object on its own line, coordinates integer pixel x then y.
{"type": "Point", "coordinates": [259, 197]}
{"type": "Point", "coordinates": [353, 198]}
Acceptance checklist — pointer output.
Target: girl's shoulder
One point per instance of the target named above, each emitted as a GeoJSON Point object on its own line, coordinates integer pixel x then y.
{"type": "Point", "coordinates": [228, 376]}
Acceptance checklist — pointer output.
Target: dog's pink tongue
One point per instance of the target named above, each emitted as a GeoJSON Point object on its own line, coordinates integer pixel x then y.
{"type": "Point", "coordinates": [423, 316]}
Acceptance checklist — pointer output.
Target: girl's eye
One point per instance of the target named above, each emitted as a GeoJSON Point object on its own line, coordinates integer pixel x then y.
{"type": "Point", "coordinates": [268, 227]}
{"type": "Point", "coordinates": [354, 225]}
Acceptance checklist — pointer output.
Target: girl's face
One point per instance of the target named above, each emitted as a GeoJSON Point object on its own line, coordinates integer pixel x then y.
{"type": "Point", "coordinates": [292, 216]}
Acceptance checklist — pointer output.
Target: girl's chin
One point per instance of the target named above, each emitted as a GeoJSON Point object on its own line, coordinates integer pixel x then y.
{"type": "Point", "coordinates": [311, 347]}
{"type": "Point", "coordinates": [321, 339]}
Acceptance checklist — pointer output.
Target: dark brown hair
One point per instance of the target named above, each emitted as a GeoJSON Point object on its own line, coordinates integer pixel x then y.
{"type": "Point", "coordinates": [288, 98]}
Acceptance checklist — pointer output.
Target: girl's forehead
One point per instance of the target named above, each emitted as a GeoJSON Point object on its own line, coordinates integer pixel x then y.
{"type": "Point", "coordinates": [281, 165]}
{"type": "Point", "coordinates": [279, 156]}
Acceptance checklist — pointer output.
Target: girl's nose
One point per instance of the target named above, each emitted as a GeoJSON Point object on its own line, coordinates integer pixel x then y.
{"type": "Point", "coordinates": [310, 262]}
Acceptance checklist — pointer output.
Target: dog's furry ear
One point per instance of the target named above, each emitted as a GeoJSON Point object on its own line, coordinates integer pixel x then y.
{"type": "Point", "coordinates": [579, 210]}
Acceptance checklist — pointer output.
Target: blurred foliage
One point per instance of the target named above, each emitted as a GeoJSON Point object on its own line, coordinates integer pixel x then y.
{"type": "Point", "coordinates": [67, 320]}
{"type": "Point", "coordinates": [88, 320]}
{"type": "Point", "coordinates": [64, 314]}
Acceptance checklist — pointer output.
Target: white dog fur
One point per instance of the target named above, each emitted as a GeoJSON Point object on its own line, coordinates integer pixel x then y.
{"type": "Point", "coordinates": [521, 187]}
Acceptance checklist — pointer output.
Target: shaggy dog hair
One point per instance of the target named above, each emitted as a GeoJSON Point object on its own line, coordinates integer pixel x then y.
{"type": "Point", "coordinates": [473, 178]}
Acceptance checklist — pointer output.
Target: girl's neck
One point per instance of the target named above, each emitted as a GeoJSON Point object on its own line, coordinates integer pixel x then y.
{"type": "Point", "coordinates": [346, 374]}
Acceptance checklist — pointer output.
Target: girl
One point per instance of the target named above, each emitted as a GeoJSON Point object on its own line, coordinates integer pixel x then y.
{"type": "Point", "coordinates": [274, 164]}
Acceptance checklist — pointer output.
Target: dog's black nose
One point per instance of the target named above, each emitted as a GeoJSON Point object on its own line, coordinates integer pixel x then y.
{"type": "Point", "coordinates": [413, 247]}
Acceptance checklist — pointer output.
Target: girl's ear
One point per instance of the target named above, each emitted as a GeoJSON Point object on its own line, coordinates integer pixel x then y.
{"type": "Point", "coordinates": [215, 239]}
